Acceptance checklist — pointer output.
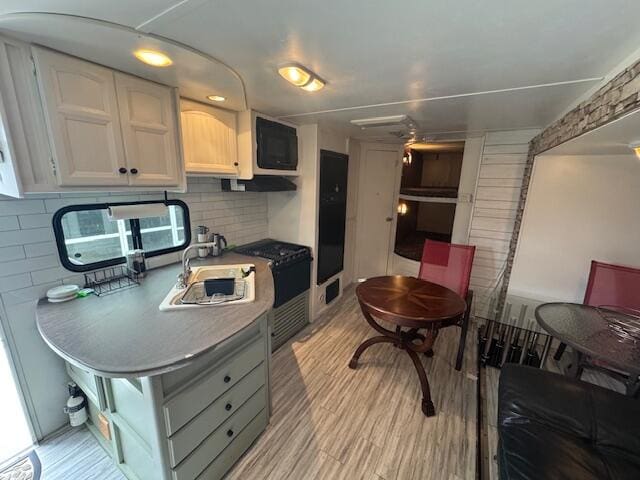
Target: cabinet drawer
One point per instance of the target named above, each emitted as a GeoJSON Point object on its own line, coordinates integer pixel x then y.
{"type": "Point", "coordinates": [197, 395]}
{"type": "Point", "coordinates": [215, 443]}
{"type": "Point", "coordinates": [193, 433]}
{"type": "Point", "coordinates": [236, 448]}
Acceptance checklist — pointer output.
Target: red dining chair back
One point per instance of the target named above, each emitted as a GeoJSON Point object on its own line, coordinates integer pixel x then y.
{"type": "Point", "coordinates": [613, 285]}
{"type": "Point", "coordinates": [447, 264]}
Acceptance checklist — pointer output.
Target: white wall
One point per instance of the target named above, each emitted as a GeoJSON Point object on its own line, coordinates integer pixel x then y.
{"type": "Point", "coordinates": [504, 155]}
{"type": "Point", "coordinates": [29, 266]}
{"type": "Point", "coordinates": [579, 208]}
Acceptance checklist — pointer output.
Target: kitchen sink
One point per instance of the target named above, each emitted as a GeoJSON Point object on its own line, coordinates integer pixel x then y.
{"type": "Point", "coordinates": [194, 296]}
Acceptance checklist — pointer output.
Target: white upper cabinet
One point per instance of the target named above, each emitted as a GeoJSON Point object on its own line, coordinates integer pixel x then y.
{"type": "Point", "coordinates": [209, 139]}
{"type": "Point", "coordinates": [106, 128]}
{"type": "Point", "coordinates": [82, 119]}
{"type": "Point", "coordinates": [148, 121]}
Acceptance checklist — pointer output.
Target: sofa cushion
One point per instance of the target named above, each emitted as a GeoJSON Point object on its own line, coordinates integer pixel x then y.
{"type": "Point", "coordinates": [554, 427]}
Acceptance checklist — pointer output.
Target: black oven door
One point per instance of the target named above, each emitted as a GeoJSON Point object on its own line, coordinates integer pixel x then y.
{"type": "Point", "coordinates": [291, 280]}
{"type": "Point", "coordinates": [277, 145]}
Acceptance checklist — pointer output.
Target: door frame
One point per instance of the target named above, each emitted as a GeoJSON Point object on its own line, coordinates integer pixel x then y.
{"type": "Point", "coordinates": [365, 147]}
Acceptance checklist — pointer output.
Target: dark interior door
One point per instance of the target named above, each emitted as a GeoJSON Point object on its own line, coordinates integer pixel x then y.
{"type": "Point", "coordinates": [333, 213]}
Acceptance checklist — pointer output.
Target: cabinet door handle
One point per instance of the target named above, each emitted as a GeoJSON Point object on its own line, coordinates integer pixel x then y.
{"type": "Point", "coordinates": [235, 164]}
{"type": "Point", "coordinates": [122, 170]}
{"type": "Point", "coordinates": [228, 407]}
{"type": "Point", "coordinates": [388, 219]}
{"type": "Point", "coordinates": [227, 379]}
{"type": "Point", "coordinates": [134, 171]}
{"type": "Point", "coordinates": [229, 433]}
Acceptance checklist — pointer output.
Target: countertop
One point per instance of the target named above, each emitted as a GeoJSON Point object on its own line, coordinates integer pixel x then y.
{"type": "Point", "coordinates": [124, 334]}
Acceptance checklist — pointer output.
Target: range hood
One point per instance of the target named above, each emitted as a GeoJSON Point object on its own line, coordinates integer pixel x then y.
{"type": "Point", "coordinates": [259, 183]}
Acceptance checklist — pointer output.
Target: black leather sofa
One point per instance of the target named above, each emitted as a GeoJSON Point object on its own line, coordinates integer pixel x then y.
{"type": "Point", "coordinates": [552, 427]}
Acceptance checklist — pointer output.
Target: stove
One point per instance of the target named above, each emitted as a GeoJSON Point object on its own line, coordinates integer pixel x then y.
{"type": "Point", "coordinates": [279, 253]}
{"type": "Point", "coordinates": [291, 270]}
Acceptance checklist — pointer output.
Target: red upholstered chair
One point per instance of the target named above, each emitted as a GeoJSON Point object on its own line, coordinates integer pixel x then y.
{"type": "Point", "coordinates": [449, 265]}
{"type": "Point", "coordinates": [610, 285]}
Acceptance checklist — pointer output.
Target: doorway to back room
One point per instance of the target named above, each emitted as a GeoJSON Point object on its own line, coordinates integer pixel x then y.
{"type": "Point", "coordinates": [15, 436]}
{"type": "Point", "coordinates": [428, 196]}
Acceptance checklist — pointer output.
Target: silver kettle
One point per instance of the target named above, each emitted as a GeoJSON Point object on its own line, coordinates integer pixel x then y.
{"type": "Point", "coordinates": [219, 244]}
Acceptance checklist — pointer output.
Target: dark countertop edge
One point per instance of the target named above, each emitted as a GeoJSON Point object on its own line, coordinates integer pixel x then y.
{"type": "Point", "coordinates": [170, 367]}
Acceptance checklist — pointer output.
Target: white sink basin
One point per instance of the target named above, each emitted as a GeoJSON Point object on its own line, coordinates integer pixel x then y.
{"type": "Point", "coordinates": [174, 299]}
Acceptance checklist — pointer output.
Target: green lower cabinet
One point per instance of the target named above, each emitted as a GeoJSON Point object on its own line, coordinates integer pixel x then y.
{"type": "Point", "coordinates": [194, 422]}
{"type": "Point", "coordinates": [133, 457]}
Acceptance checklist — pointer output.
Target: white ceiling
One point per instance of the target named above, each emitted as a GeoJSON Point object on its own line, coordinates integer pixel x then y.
{"type": "Point", "coordinates": [378, 51]}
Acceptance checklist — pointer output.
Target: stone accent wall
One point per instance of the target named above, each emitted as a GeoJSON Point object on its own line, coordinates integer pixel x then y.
{"type": "Point", "coordinates": [613, 100]}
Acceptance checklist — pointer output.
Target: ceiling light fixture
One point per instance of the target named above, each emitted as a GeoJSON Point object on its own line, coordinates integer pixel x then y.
{"type": "Point", "coordinates": [216, 98]}
{"type": "Point", "coordinates": [153, 58]}
{"type": "Point", "coordinates": [302, 77]}
{"type": "Point", "coordinates": [635, 146]}
{"type": "Point", "coordinates": [314, 85]}
{"type": "Point", "coordinates": [403, 208]}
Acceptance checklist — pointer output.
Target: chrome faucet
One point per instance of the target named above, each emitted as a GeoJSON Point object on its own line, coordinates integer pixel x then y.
{"type": "Point", "coordinates": [183, 278]}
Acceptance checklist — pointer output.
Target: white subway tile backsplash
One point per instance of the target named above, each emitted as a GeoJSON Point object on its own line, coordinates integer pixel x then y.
{"type": "Point", "coordinates": [9, 223]}
{"type": "Point", "coordinates": [35, 221]}
{"type": "Point", "coordinates": [50, 275]}
{"type": "Point", "coordinates": [28, 294]}
{"type": "Point", "coordinates": [40, 249]}
{"type": "Point", "coordinates": [19, 207]}
{"type": "Point", "coordinates": [8, 254]}
{"type": "Point", "coordinates": [29, 263]}
{"type": "Point", "coordinates": [55, 204]}
{"type": "Point", "coordinates": [15, 282]}
{"type": "Point", "coordinates": [24, 237]}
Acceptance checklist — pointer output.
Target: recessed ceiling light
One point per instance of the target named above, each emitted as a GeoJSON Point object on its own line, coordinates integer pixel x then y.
{"type": "Point", "coordinates": [296, 74]}
{"type": "Point", "coordinates": [153, 58]}
{"type": "Point", "coordinates": [216, 98]}
{"type": "Point", "coordinates": [314, 85]}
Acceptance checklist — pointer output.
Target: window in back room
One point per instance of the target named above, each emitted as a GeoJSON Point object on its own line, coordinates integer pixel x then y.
{"type": "Point", "coordinates": [428, 196]}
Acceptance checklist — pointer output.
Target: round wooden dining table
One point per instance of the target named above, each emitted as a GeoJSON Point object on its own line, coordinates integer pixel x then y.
{"type": "Point", "coordinates": [417, 309]}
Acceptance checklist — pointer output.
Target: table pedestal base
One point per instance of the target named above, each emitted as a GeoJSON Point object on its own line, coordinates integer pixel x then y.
{"type": "Point", "coordinates": [406, 340]}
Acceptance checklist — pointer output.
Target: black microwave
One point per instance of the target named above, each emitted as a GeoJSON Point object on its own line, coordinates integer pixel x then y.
{"type": "Point", "coordinates": [277, 147]}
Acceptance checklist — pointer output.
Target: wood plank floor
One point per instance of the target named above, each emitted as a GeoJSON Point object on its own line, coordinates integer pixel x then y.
{"type": "Point", "coordinates": [76, 454]}
{"type": "Point", "coordinates": [331, 422]}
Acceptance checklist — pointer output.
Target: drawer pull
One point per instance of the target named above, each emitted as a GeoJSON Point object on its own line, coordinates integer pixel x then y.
{"type": "Point", "coordinates": [134, 171]}
{"type": "Point", "coordinates": [229, 433]}
{"type": "Point", "coordinates": [228, 407]}
{"type": "Point", "coordinates": [227, 379]}
{"type": "Point", "coordinates": [122, 170]}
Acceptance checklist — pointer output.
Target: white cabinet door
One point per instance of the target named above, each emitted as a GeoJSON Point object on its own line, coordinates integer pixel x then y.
{"type": "Point", "coordinates": [209, 138]}
{"type": "Point", "coordinates": [148, 119]}
{"type": "Point", "coordinates": [82, 119]}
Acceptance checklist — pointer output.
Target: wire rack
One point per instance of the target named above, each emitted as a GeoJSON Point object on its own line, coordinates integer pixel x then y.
{"type": "Point", "coordinates": [110, 280]}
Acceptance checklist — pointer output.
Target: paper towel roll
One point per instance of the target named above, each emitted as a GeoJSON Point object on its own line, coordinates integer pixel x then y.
{"type": "Point", "coordinates": [125, 212]}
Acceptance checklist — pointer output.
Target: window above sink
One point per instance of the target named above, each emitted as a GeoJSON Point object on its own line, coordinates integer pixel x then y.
{"type": "Point", "coordinates": [87, 238]}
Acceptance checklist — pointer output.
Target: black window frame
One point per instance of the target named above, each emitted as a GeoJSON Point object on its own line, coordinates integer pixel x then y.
{"type": "Point", "coordinates": [136, 234]}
